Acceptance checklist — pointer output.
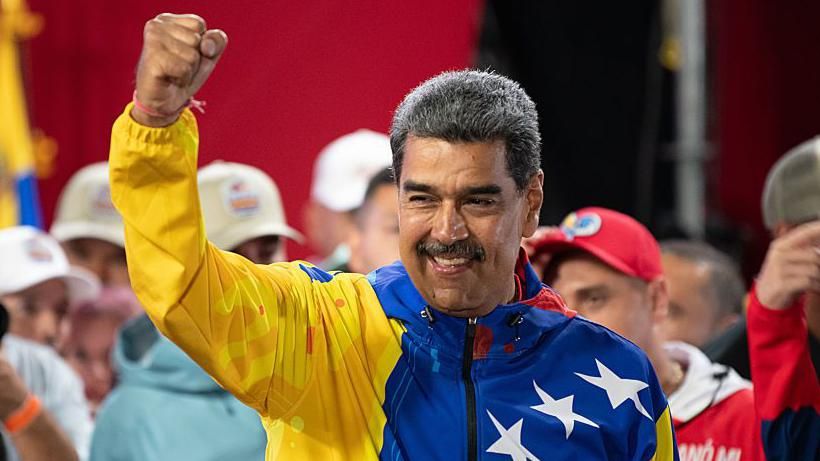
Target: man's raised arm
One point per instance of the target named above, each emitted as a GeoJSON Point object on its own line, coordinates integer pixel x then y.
{"type": "Point", "coordinates": [247, 325]}
{"type": "Point", "coordinates": [787, 393]}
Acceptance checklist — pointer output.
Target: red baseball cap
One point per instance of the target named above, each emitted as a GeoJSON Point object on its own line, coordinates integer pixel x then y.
{"type": "Point", "coordinates": [615, 238]}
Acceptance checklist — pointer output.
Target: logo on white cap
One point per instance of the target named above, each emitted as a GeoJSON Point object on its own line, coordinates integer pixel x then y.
{"type": "Point", "coordinates": [240, 198]}
{"type": "Point", "coordinates": [101, 204]}
{"type": "Point", "coordinates": [585, 225]}
{"type": "Point", "coordinates": [37, 250]}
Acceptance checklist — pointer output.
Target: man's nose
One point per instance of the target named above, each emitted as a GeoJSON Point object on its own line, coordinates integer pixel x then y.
{"type": "Point", "coordinates": [449, 226]}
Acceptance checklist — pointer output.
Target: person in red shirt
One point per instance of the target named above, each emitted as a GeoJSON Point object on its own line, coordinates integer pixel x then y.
{"type": "Point", "coordinates": [608, 267]}
{"type": "Point", "coordinates": [783, 315]}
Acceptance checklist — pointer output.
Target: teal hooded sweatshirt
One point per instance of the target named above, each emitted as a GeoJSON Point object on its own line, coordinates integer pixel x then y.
{"type": "Point", "coordinates": [166, 408]}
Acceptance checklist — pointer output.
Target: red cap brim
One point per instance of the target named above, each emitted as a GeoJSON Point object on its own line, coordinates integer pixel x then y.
{"type": "Point", "coordinates": [554, 245]}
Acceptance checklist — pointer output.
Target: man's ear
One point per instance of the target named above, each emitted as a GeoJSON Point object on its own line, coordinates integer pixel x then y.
{"type": "Point", "coordinates": [726, 321]}
{"type": "Point", "coordinates": [534, 195]}
{"type": "Point", "coordinates": [781, 229]}
{"type": "Point", "coordinates": [354, 243]}
{"type": "Point", "coordinates": [659, 297]}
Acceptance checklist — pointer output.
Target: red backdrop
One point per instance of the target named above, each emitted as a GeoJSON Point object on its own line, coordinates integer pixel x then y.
{"type": "Point", "coordinates": [298, 74]}
{"type": "Point", "coordinates": [295, 76]}
{"type": "Point", "coordinates": [767, 94]}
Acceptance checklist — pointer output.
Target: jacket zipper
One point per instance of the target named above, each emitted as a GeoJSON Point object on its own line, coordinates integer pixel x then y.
{"type": "Point", "coordinates": [469, 388]}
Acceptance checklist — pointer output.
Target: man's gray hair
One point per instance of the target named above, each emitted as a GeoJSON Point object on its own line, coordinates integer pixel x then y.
{"type": "Point", "coordinates": [471, 106]}
{"type": "Point", "coordinates": [725, 285]}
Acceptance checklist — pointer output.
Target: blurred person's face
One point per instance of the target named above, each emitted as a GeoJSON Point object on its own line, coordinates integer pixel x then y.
{"type": "Point", "coordinates": [326, 229]}
{"type": "Point", "coordinates": [88, 350]}
{"type": "Point", "coordinates": [624, 304]}
{"type": "Point", "coordinates": [374, 241]}
{"type": "Point", "coordinates": [104, 259]}
{"type": "Point", "coordinates": [461, 223]}
{"type": "Point", "coordinates": [35, 312]}
{"type": "Point", "coordinates": [262, 250]}
{"type": "Point", "coordinates": [693, 316]}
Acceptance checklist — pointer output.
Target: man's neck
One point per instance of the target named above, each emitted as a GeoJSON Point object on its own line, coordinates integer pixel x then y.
{"type": "Point", "coordinates": [670, 373]}
{"type": "Point", "coordinates": [514, 294]}
{"type": "Point", "coordinates": [518, 293]}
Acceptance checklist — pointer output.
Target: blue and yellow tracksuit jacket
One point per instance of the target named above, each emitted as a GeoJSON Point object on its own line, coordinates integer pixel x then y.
{"type": "Point", "coordinates": [348, 367]}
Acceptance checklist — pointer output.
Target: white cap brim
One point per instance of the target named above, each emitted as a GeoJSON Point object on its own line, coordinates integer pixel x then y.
{"type": "Point", "coordinates": [82, 285]}
{"type": "Point", "coordinates": [233, 239]}
{"type": "Point", "coordinates": [75, 230]}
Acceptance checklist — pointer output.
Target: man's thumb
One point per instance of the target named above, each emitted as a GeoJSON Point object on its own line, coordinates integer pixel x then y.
{"type": "Point", "coordinates": [213, 43]}
{"type": "Point", "coordinates": [211, 46]}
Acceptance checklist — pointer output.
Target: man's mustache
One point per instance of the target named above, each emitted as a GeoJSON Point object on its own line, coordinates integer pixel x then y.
{"type": "Point", "coordinates": [459, 249]}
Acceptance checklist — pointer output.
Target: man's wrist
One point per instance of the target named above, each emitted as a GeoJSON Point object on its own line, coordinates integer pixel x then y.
{"type": "Point", "coordinates": [776, 303]}
{"type": "Point", "coordinates": [152, 121]}
{"type": "Point", "coordinates": [24, 415]}
{"type": "Point", "coordinates": [771, 299]}
{"type": "Point", "coordinates": [151, 117]}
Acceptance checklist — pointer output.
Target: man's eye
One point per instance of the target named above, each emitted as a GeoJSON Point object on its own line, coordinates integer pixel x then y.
{"type": "Point", "coordinates": [78, 252]}
{"type": "Point", "coordinates": [675, 311]}
{"type": "Point", "coordinates": [81, 355]}
{"type": "Point", "coordinates": [419, 198]}
{"type": "Point", "coordinates": [480, 201]}
{"type": "Point", "coordinates": [593, 302]}
{"type": "Point", "coordinates": [118, 258]}
{"type": "Point", "coordinates": [30, 307]}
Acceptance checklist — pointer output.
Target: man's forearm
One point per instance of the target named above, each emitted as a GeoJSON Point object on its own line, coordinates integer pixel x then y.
{"type": "Point", "coordinates": [782, 371]}
{"type": "Point", "coordinates": [43, 440]}
{"type": "Point", "coordinates": [787, 397]}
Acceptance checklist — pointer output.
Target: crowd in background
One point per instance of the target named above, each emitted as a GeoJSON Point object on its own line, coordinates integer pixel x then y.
{"type": "Point", "coordinates": [117, 389]}
{"type": "Point", "coordinates": [84, 373]}
{"type": "Point", "coordinates": [110, 386]}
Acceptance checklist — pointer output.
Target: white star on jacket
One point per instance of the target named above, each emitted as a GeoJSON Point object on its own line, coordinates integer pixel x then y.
{"type": "Point", "coordinates": [618, 389]}
{"type": "Point", "coordinates": [561, 409]}
{"type": "Point", "coordinates": [510, 441]}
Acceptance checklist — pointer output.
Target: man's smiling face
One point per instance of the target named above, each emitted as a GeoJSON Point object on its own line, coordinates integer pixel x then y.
{"type": "Point", "coordinates": [461, 223]}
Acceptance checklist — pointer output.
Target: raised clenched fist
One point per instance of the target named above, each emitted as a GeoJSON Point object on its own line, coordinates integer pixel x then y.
{"type": "Point", "coordinates": [178, 55]}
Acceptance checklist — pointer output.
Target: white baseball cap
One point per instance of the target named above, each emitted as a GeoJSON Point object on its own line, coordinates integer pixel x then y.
{"type": "Point", "coordinates": [85, 209]}
{"type": "Point", "coordinates": [240, 203]}
{"type": "Point", "coordinates": [31, 256]}
{"type": "Point", "coordinates": [792, 191]}
{"type": "Point", "coordinates": [345, 166]}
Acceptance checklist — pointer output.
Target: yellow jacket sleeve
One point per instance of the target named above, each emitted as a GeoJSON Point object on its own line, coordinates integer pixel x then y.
{"type": "Point", "coordinates": [666, 448]}
{"type": "Point", "coordinates": [249, 326]}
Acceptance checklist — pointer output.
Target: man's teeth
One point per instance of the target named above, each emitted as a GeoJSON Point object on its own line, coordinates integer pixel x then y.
{"type": "Point", "coordinates": [450, 262]}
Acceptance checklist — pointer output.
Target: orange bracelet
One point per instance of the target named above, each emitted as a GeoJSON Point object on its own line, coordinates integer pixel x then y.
{"type": "Point", "coordinates": [24, 415]}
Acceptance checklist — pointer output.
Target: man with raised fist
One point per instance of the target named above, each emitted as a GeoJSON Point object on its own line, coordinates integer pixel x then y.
{"type": "Point", "coordinates": [455, 352]}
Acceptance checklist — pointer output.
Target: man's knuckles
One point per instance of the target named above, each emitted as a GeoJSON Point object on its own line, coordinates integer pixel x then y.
{"type": "Point", "coordinates": [155, 35]}
{"type": "Point", "coordinates": [186, 54]}
{"type": "Point", "coordinates": [176, 61]}
{"type": "Point", "coordinates": [179, 70]}
{"type": "Point", "coordinates": [189, 21]}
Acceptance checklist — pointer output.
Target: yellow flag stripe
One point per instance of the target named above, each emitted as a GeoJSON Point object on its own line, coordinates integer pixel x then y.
{"type": "Point", "coordinates": [665, 450]}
